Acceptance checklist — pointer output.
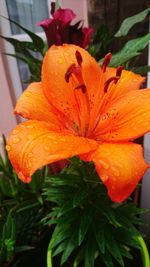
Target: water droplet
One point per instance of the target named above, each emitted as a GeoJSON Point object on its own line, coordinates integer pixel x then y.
{"type": "Point", "coordinates": [16, 140]}
{"type": "Point", "coordinates": [30, 137]}
{"type": "Point", "coordinates": [15, 131]}
{"type": "Point", "coordinates": [115, 171]}
{"type": "Point", "coordinates": [27, 94]}
{"type": "Point", "coordinates": [26, 113]}
{"type": "Point", "coordinates": [104, 164]}
{"type": "Point", "coordinates": [60, 60]}
{"type": "Point", "coordinates": [23, 177]}
{"type": "Point", "coordinates": [8, 148]}
{"type": "Point", "coordinates": [30, 126]}
{"type": "Point", "coordinates": [47, 148]}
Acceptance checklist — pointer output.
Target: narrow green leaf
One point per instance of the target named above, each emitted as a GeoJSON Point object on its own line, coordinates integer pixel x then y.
{"type": "Point", "coordinates": [60, 248]}
{"type": "Point", "coordinates": [113, 246]}
{"type": "Point", "coordinates": [37, 41]}
{"type": "Point", "coordinates": [99, 234]}
{"type": "Point", "coordinates": [128, 23]}
{"type": "Point", "coordinates": [19, 46]}
{"type": "Point", "coordinates": [141, 70]}
{"type": "Point", "coordinates": [131, 49]}
{"type": "Point", "coordinates": [107, 259]}
{"type": "Point", "coordinates": [90, 251]}
{"type": "Point", "coordinates": [19, 249]}
{"type": "Point", "coordinates": [81, 196]}
{"type": "Point", "coordinates": [85, 223]}
{"type": "Point", "coordinates": [71, 245]}
{"type": "Point", "coordinates": [79, 257]}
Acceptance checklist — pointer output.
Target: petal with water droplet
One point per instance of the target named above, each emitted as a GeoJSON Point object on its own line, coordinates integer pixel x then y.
{"type": "Point", "coordinates": [40, 145]}
{"type": "Point", "coordinates": [125, 168]}
{"type": "Point", "coordinates": [126, 119]}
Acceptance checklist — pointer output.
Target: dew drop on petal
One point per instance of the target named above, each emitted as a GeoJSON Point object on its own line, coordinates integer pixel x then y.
{"type": "Point", "coordinates": [15, 131]}
{"type": "Point", "coordinates": [30, 126]}
{"type": "Point", "coordinates": [47, 148]}
{"type": "Point", "coordinates": [27, 94]}
{"type": "Point", "coordinates": [23, 177]}
{"type": "Point", "coordinates": [115, 171]}
{"type": "Point", "coordinates": [16, 140]}
{"type": "Point", "coordinates": [60, 60]}
{"type": "Point", "coordinates": [8, 148]}
{"type": "Point", "coordinates": [104, 164]}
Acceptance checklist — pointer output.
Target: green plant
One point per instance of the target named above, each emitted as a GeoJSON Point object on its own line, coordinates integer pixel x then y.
{"type": "Point", "coordinates": [21, 209]}
{"type": "Point", "coordinates": [88, 227]}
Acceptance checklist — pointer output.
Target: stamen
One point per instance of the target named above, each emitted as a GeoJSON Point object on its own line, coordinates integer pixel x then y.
{"type": "Point", "coordinates": [119, 71]}
{"type": "Point", "coordinates": [69, 72]}
{"type": "Point", "coordinates": [78, 57]}
{"type": "Point", "coordinates": [82, 87]}
{"type": "Point", "coordinates": [107, 83]}
{"type": "Point", "coordinates": [106, 61]}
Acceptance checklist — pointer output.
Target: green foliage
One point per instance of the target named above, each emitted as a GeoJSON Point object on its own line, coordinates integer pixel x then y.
{"type": "Point", "coordinates": [128, 23]}
{"type": "Point", "coordinates": [130, 50]}
{"type": "Point", "coordinates": [21, 209]}
{"type": "Point", "coordinates": [88, 227]}
{"type": "Point", "coordinates": [31, 52]}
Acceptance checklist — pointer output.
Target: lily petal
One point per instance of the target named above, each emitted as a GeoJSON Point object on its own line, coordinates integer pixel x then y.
{"type": "Point", "coordinates": [62, 94]}
{"type": "Point", "coordinates": [120, 167]}
{"type": "Point", "coordinates": [33, 144]}
{"type": "Point", "coordinates": [32, 104]}
{"type": "Point", "coordinates": [128, 81]}
{"type": "Point", "coordinates": [126, 119]}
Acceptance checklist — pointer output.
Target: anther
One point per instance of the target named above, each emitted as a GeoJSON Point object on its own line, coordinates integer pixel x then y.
{"type": "Point", "coordinates": [69, 72]}
{"type": "Point", "coordinates": [119, 71]}
{"type": "Point", "coordinates": [82, 87]}
{"type": "Point", "coordinates": [106, 61]}
{"type": "Point", "coordinates": [78, 58]}
{"type": "Point", "coordinates": [107, 83]}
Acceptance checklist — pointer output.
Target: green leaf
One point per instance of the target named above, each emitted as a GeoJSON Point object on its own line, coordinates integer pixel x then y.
{"type": "Point", "coordinates": [90, 251]}
{"type": "Point", "coordinates": [79, 257]}
{"type": "Point", "coordinates": [81, 196]}
{"type": "Point", "coordinates": [60, 234]}
{"type": "Point", "coordinates": [19, 46]}
{"type": "Point", "coordinates": [71, 245]}
{"type": "Point", "coordinates": [57, 5]}
{"type": "Point", "coordinates": [19, 249]}
{"type": "Point", "coordinates": [60, 248]}
{"type": "Point", "coordinates": [107, 259]}
{"type": "Point", "coordinates": [131, 49]}
{"type": "Point", "coordinates": [99, 234]}
{"type": "Point", "coordinates": [85, 223]}
{"type": "Point", "coordinates": [141, 70]}
{"type": "Point", "coordinates": [37, 41]}
{"type": "Point", "coordinates": [128, 23]}
{"type": "Point", "coordinates": [113, 246]}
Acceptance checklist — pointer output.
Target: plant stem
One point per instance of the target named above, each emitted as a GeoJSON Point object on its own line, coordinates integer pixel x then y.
{"type": "Point", "coordinates": [144, 251]}
{"type": "Point", "coordinates": [49, 258]}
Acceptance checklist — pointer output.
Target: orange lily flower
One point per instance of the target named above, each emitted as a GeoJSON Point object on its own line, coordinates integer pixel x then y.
{"type": "Point", "coordinates": [81, 109]}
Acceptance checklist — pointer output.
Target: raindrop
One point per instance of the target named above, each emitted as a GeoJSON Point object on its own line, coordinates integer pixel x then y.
{"type": "Point", "coordinates": [27, 94]}
{"type": "Point", "coordinates": [16, 140]}
{"type": "Point", "coordinates": [115, 171]}
{"type": "Point", "coordinates": [30, 126]}
{"type": "Point", "coordinates": [104, 164]}
{"type": "Point", "coordinates": [60, 61]}
{"type": "Point", "coordinates": [8, 148]}
{"type": "Point", "coordinates": [15, 131]}
{"type": "Point", "coordinates": [47, 148]}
